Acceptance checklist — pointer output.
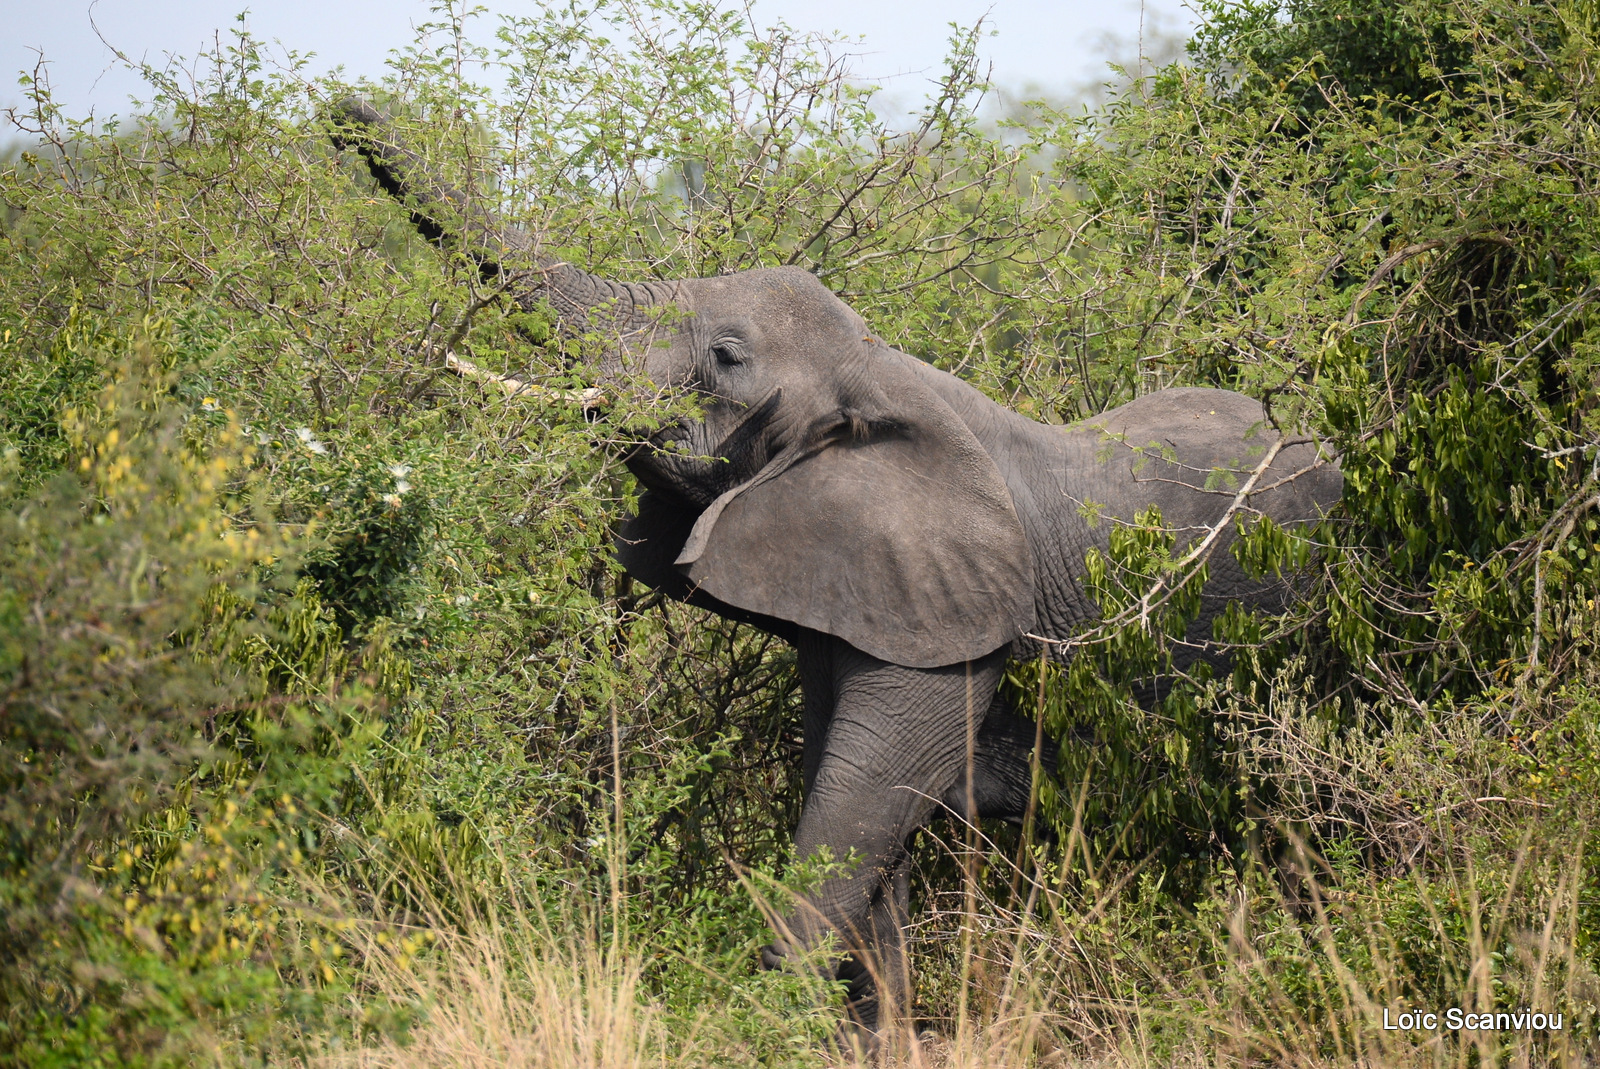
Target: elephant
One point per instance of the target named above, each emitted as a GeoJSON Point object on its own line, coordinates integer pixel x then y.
{"type": "Point", "coordinates": [904, 532]}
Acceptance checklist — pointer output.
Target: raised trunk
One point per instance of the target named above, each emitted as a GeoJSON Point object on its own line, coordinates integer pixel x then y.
{"type": "Point", "coordinates": [582, 301]}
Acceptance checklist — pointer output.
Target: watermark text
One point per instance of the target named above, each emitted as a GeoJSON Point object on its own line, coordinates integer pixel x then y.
{"type": "Point", "coordinates": [1455, 1019]}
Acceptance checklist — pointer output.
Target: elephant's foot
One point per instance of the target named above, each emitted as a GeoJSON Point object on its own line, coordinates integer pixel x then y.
{"type": "Point", "coordinates": [857, 1044]}
{"type": "Point", "coordinates": [871, 1026]}
{"type": "Point", "coordinates": [894, 1042]}
{"type": "Point", "coordinates": [863, 1003]}
{"type": "Point", "coordinates": [775, 956]}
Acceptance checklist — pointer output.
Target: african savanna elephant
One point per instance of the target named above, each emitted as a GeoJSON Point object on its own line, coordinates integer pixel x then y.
{"type": "Point", "coordinates": [906, 533]}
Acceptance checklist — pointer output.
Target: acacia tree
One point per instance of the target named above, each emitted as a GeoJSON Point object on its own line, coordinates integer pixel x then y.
{"type": "Point", "coordinates": [515, 720]}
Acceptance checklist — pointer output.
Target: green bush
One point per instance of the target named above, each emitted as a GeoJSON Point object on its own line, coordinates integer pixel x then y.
{"type": "Point", "coordinates": [157, 786]}
{"type": "Point", "coordinates": [1401, 257]}
{"type": "Point", "coordinates": [315, 668]}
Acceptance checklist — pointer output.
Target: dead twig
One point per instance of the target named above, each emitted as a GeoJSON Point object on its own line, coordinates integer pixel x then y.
{"type": "Point", "coordinates": [588, 399]}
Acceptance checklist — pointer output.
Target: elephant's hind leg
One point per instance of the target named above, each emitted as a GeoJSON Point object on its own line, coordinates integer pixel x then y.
{"type": "Point", "coordinates": [1002, 767]}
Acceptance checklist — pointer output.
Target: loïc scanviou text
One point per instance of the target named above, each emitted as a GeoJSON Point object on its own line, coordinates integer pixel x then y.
{"type": "Point", "coordinates": [1456, 1019]}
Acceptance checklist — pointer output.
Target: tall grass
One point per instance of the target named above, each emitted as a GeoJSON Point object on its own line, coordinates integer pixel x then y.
{"type": "Point", "coordinates": [1090, 970]}
{"type": "Point", "coordinates": [1103, 971]}
{"type": "Point", "coordinates": [505, 993]}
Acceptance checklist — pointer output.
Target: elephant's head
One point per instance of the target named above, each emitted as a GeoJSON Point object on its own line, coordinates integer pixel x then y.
{"type": "Point", "coordinates": [826, 483]}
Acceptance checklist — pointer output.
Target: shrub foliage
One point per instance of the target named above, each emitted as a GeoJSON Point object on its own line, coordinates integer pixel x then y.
{"type": "Point", "coordinates": [313, 660]}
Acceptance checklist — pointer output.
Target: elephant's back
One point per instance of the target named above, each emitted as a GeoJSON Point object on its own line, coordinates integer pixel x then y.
{"type": "Point", "coordinates": [1188, 452]}
{"type": "Point", "coordinates": [1192, 422]}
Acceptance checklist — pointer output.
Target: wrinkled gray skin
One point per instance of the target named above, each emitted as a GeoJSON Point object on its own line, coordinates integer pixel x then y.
{"type": "Point", "coordinates": [902, 530]}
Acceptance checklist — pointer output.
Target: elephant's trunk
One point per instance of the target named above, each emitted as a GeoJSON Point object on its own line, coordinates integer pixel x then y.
{"type": "Point", "coordinates": [582, 301]}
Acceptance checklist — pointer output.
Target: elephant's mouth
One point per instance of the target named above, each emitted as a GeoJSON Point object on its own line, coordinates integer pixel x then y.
{"type": "Point", "coordinates": [679, 459]}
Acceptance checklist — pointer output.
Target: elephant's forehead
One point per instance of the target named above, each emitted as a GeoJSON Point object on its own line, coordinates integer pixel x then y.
{"type": "Point", "coordinates": [775, 298]}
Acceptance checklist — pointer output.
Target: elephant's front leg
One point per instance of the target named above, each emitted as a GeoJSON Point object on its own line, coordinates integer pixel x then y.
{"type": "Point", "coordinates": [881, 754]}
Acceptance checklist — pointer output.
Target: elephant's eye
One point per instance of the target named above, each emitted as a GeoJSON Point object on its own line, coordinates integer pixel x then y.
{"type": "Point", "coordinates": [727, 354]}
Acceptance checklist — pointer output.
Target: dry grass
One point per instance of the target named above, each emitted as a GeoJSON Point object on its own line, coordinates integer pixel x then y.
{"type": "Point", "coordinates": [1083, 985]}
{"type": "Point", "coordinates": [1094, 973]}
{"type": "Point", "coordinates": [1091, 968]}
{"type": "Point", "coordinates": [511, 996]}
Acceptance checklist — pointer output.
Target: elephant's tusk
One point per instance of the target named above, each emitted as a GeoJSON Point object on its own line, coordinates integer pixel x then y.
{"type": "Point", "coordinates": [588, 399]}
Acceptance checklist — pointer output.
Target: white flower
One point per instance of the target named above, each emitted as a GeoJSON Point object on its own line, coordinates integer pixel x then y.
{"type": "Point", "coordinates": [392, 500]}
{"type": "Point", "coordinates": [309, 440]}
{"type": "Point", "coordinates": [399, 471]}
{"type": "Point", "coordinates": [401, 486]}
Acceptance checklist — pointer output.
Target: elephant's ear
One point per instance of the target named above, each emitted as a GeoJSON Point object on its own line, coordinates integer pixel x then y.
{"type": "Point", "coordinates": [903, 542]}
{"type": "Point", "coordinates": [648, 542]}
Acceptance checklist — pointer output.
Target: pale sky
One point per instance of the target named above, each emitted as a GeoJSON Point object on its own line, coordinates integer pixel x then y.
{"type": "Point", "coordinates": [1054, 45]}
